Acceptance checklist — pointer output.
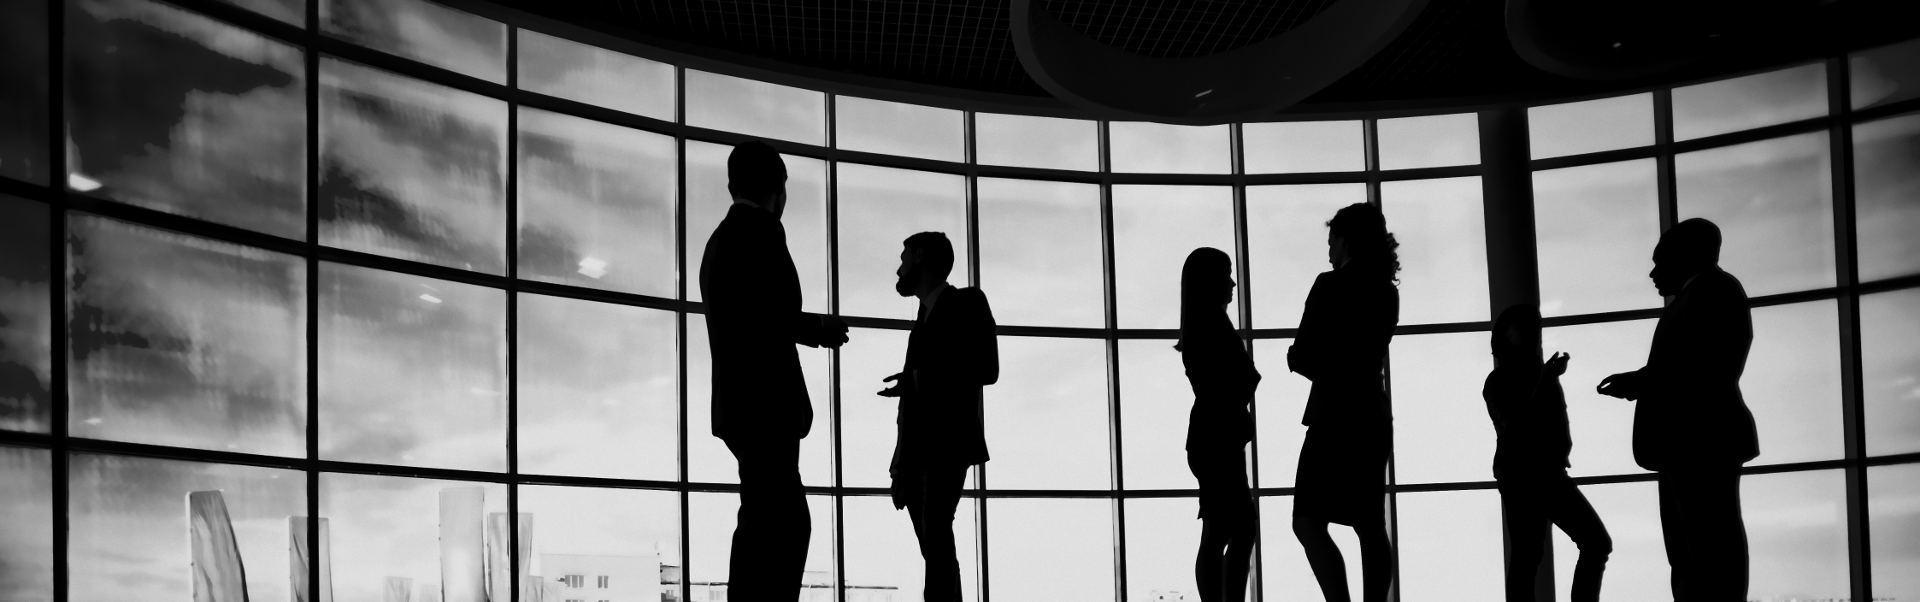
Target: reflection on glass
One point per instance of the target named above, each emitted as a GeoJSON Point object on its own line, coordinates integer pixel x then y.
{"type": "Point", "coordinates": [184, 114]}
{"type": "Point", "coordinates": [1303, 146]}
{"type": "Point", "coordinates": [596, 204]}
{"type": "Point", "coordinates": [1443, 252]}
{"type": "Point", "coordinates": [26, 317]}
{"type": "Point", "coordinates": [1886, 196]}
{"type": "Point", "coordinates": [805, 218]}
{"type": "Point", "coordinates": [630, 538]}
{"type": "Point", "coordinates": [1155, 400]}
{"type": "Point", "coordinates": [593, 75]}
{"type": "Point", "coordinates": [1637, 570]}
{"type": "Point", "coordinates": [755, 108]}
{"type": "Point", "coordinates": [1046, 419]}
{"type": "Point", "coordinates": [709, 461]}
{"type": "Point", "coordinates": [1441, 430]}
{"type": "Point", "coordinates": [176, 340]}
{"type": "Point", "coordinates": [1602, 427]}
{"type": "Point", "coordinates": [1893, 508]}
{"type": "Point", "coordinates": [1139, 146]}
{"type": "Point", "coordinates": [1773, 202]}
{"type": "Point", "coordinates": [130, 529]}
{"type": "Point", "coordinates": [1162, 534]}
{"type": "Point", "coordinates": [1753, 101]}
{"type": "Point", "coordinates": [598, 394]}
{"type": "Point", "coordinates": [419, 536]}
{"type": "Point", "coordinates": [883, 557]}
{"type": "Point", "coordinates": [423, 31]}
{"type": "Point", "coordinates": [1284, 574]}
{"type": "Point", "coordinates": [289, 11]}
{"type": "Point", "coordinates": [1792, 382]}
{"type": "Point", "coordinates": [26, 506]}
{"type": "Point", "coordinates": [894, 128]}
{"type": "Point", "coordinates": [1449, 544]}
{"type": "Point", "coordinates": [1050, 549]}
{"type": "Point", "coordinates": [1890, 371]}
{"type": "Point", "coordinates": [1040, 257]}
{"type": "Point", "coordinates": [1884, 75]}
{"type": "Point", "coordinates": [1025, 141]}
{"type": "Point", "coordinates": [412, 370]}
{"type": "Point", "coordinates": [879, 208]}
{"type": "Point", "coordinates": [411, 169]}
{"type": "Point", "coordinates": [867, 420]}
{"type": "Point", "coordinates": [1590, 126]}
{"type": "Point", "coordinates": [711, 518]}
{"type": "Point", "coordinates": [23, 101]}
{"type": "Point", "coordinates": [1154, 228]}
{"type": "Point", "coordinates": [1287, 245]}
{"type": "Point", "coordinates": [1277, 407]}
{"type": "Point", "coordinates": [1430, 141]}
{"type": "Point", "coordinates": [1596, 227]}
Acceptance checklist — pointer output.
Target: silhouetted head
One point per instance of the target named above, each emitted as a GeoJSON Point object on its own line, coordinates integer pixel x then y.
{"type": "Point", "coordinates": [1358, 234]}
{"type": "Point", "coordinates": [925, 262]}
{"type": "Point", "coordinates": [1688, 248]}
{"type": "Point", "coordinates": [756, 174]}
{"type": "Point", "coordinates": [1206, 286]}
{"type": "Point", "coordinates": [1516, 334]}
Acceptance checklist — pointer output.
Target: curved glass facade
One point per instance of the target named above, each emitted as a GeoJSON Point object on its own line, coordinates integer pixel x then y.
{"type": "Point", "coordinates": [413, 271]}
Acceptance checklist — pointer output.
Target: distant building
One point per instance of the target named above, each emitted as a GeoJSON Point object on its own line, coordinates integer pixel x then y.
{"type": "Point", "coordinates": [598, 578]}
{"type": "Point", "coordinates": [1170, 595]}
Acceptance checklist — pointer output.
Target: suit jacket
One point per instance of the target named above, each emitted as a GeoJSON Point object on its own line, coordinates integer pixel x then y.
{"type": "Point", "coordinates": [1342, 345]}
{"type": "Point", "coordinates": [954, 355]}
{"type": "Point", "coordinates": [753, 321]}
{"type": "Point", "coordinates": [1223, 379]}
{"type": "Point", "coordinates": [1690, 413]}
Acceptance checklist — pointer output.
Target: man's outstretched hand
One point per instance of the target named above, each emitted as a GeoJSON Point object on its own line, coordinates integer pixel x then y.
{"type": "Point", "coordinates": [902, 382]}
{"type": "Point", "coordinates": [834, 332]}
{"type": "Point", "coordinates": [1625, 385]}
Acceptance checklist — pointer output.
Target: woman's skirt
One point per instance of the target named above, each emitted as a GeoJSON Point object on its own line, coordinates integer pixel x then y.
{"type": "Point", "coordinates": [1343, 473]}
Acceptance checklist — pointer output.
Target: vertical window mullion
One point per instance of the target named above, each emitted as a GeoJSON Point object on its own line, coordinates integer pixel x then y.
{"type": "Point", "coordinates": [1115, 446]}
{"type": "Point", "coordinates": [1242, 252]}
{"type": "Point", "coordinates": [57, 290]}
{"type": "Point", "coordinates": [680, 332]}
{"type": "Point", "coordinates": [971, 156]}
{"type": "Point", "coordinates": [833, 355]}
{"type": "Point", "coordinates": [1852, 378]}
{"type": "Point", "coordinates": [312, 61]}
{"type": "Point", "coordinates": [513, 315]}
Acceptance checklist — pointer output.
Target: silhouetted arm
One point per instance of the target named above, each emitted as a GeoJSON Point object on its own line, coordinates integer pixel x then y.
{"type": "Point", "coordinates": [1308, 354]}
{"type": "Point", "coordinates": [1220, 370]}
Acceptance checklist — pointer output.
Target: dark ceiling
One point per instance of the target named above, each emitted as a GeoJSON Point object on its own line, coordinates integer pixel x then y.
{"type": "Point", "coordinates": [1455, 53]}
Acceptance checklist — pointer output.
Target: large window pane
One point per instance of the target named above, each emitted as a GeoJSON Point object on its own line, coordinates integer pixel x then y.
{"type": "Point", "coordinates": [756, 108]}
{"type": "Point", "coordinates": [1040, 256]}
{"type": "Point", "coordinates": [618, 541]}
{"type": "Point", "coordinates": [1287, 245]}
{"type": "Point", "coordinates": [883, 557]}
{"type": "Point", "coordinates": [1773, 202]}
{"type": "Point", "coordinates": [879, 208]}
{"type": "Point", "coordinates": [1047, 419]}
{"type": "Point", "coordinates": [1886, 196]}
{"type": "Point", "coordinates": [1154, 228]}
{"type": "Point", "coordinates": [411, 169]}
{"type": "Point", "coordinates": [708, 458]}
{"type": "Point", "coordinates": [133, 522]}
{"type": "Point", "coordinates": [1277, 407]}
{"type": "Point", "coordinates": [1792, 382]}
{"type": "Point", "coordinates": [1155, 401]}
{"type": "Point", "coordinates": [894, 128]}
{"type": "Point", "coordinates": [598, 394]}
{"type": "Point", "coordinates": [183, 341]}
{"type": "Point", "coordinates": [1893, 506]}
{"type": "Point", "coordinates": [26, 505]}
{"type": "Point", "coordinates": [1042, 549]}
{"type": "Point", "coordinates": [1284, 573]}
{"type": "Point", "coordinates": [23, 101]}
{"type": "Point", "coordinates": [184, 114]}
{"type": "Point", "coordinates": [1139, 146]}
{"type": "Point", "coordinates": [1749, 102]}
{"type": "Point", "coordinates": [1023, 141]}
{"type": "Point", "coordinates": [423, 31]}
{"type": "Point", "coordinates": [805, 218]}
{"type": "Point", "coordinates": [868, 425]}
{"type": "Point", "coordinates": [1449, 544]}
{"type": "Point", "coordinates": [1596, 227]}
{"type": "Point", "coordinates": [712, 517]}
{"type": "Point", "coordinates": [424, 537]}
{"type": "Point", "coordinates": [590, 74]}
{"type": "Point", "coordinates": [596, 204]}
{"type": "Point", "coordinates": [26, 317]}
{"type": "Point", "coordinates": [1441, 228]}
{"type": "Point", "coordinates": [412, 370]}
{"type": "Point", "coordinates": [1162, 534]}
{"type": "Point", "coordinates": [1441, 429]}
{"type": "Point", "coordinates": [1303, 146]}
{"type": "Point", "coordinates": [1591, 126]}
{"type": "Point", "coordinates": [1890, 371]}
{"type": "Point", "coordinates": [1884, 75]}
{"type": "Point", "coordinates": [1796, 535]}
{"type": "Point", "coordinates": [1602, 427]}
{"type": "Point", "coordinates": [1431, 141]}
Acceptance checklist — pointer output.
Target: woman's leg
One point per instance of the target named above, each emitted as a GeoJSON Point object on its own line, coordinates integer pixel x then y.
{"type": "Point", "coordinates": [1238, 560]}
{"type": "Point", "coordinates": [1206, 565]}
{"type": "Point", "coordinates": [1376, 559]}
{"type": "Point", "coordinates": [1576, 518]}
{"type": "Point", "coordinates": [1524, 511]}
{"type": "Point", "coordinates": [1323, 556]}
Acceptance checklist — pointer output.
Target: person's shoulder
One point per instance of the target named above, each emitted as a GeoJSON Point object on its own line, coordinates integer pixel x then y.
{"type": "Point", "coordinates": [971, 297]}
{"type": "Point", "coordinates": [1717, 283]}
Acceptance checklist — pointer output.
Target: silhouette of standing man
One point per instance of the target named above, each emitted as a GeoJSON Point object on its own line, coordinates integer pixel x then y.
{"type": "Point", "coordinates": [951, 356]}
{"type": "Point", "coordinates": [760, 405]}
{"type": "Point", "coordinates": [1691, 424]}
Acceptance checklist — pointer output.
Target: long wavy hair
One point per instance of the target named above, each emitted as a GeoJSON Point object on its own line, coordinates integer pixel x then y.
{"type": "Point", "coordinates": [1201, 312]}
{"type": "Point", "coordinates": [1368, 241]}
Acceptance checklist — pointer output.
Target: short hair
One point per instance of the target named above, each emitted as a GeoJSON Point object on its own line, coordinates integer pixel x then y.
{"type": "Point", "coordinates": [934, 250]}
{"type": "Point", "coordinates": [755, 171]}
{"type": "Point", "coordinates": [1693, 241]}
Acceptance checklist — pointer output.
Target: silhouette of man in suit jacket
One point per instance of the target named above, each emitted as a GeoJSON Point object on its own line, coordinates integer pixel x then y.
{"type": "Point", "coordinates": [760, 404]}
{"type": "Point", "coordinates": [951, 356]}
{"type": "Point", "coordinates": [1691, 424]}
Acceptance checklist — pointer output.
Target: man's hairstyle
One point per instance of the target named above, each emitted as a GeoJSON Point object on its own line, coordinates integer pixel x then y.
{"type": "Point", "coordinates": [755, 171]}
{"type": "Point", "coordinates": [1365, 230]}
{"type": "Point", "coordinates": [934, 250]}
{"type": "Point", "coordinates": [1693, 241]}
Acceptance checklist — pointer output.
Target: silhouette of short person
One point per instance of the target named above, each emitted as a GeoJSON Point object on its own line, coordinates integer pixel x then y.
{"type": "Point", "coordinates": [951, 356]}
{"type": "Point", "coordinates": [1691, 424]}
{"type": "Point", "coordinates": [1342, 347]}
{"type": "Point", "coordinates": [760, 404]}
{"type": "Point", "coordinates": [1219, 427]}
{"type": "Point", "coordinates": [1529, 412]}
